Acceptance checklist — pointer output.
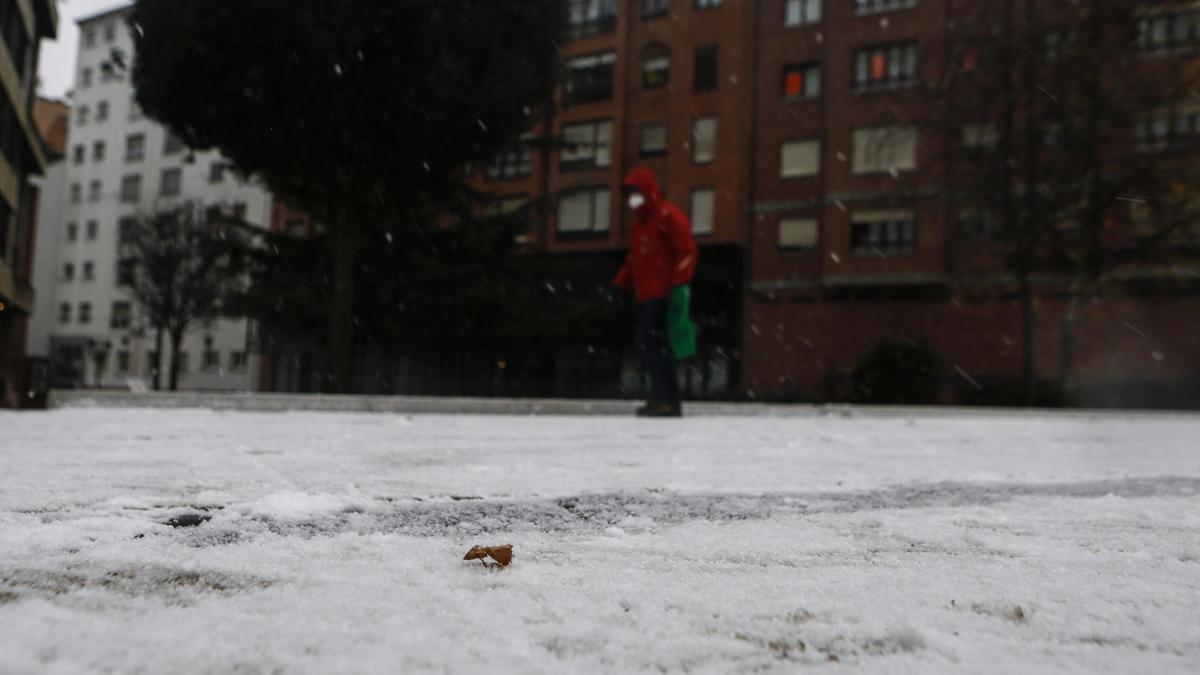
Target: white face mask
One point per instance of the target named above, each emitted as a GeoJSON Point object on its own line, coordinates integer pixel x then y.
{"type": "Point", "coordinates": [636, 201]}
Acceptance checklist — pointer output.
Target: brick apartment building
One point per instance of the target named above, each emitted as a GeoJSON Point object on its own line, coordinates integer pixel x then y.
{"type": "Point", "coordinates": [796, 136]}
{"type": "Point", "coordinates": [23, 24]}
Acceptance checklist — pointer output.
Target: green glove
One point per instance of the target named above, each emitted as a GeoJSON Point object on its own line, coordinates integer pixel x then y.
{"type": "Point", "coordinates": [680, 330]}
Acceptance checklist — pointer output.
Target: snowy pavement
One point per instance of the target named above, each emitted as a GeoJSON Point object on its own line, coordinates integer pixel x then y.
{"type": "Point", "coordinates": [333, 543]}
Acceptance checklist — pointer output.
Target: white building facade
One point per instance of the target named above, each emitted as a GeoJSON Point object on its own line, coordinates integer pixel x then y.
{"type": "Point", "coordinates": [118, 164]}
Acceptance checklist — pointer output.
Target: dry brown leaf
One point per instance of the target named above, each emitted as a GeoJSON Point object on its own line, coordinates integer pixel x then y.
{"type": "Point", "coordinates": [501, 554]}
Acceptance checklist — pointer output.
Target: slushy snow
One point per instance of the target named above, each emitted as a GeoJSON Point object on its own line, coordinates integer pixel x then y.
{"type": "Point", "coordinates": [139, 541]}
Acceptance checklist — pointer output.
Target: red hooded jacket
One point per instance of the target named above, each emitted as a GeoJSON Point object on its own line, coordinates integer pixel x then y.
{"type": "Point", "coordinates": [662, 251]}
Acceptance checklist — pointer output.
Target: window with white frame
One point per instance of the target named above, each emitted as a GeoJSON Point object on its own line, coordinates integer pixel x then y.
{"type": "Point", "coordinates": [589, 79]}
{"type": "Point", "coordinates": [1169, 29]}
{"type": "Point", "coordinates": [590, 17]}
{"type": "Point", "coordinates": [704, 140]}
{"type": "Point", "coordinates": [514, 161]}
{"type": "Point", "coordinates": [798, 234]}
{"type": "Point", "coordinates": [587, 145]}
{"type": "Point", "coordinates": [122, 315]}
{"type": "Point", "coordinates": [585, 211]}
{"type": "Point", "coordinates": [652, 140]}
{"type": "Point", "coordinates": [885, 66]}
{"type": "Point", "coordinates": [862, 7]}
{"type": "Point", "coordinates": [798, 159]}
{"type": "Point", "coordinates": [801, 12]}
{"type": "Point", "coordinates": [703, 206]}
{"type": "Point", "coordinates": [170, 183]}
{"type": "Point", "coordinates": [802, 82]}
{"type": "Point", "coordinates": [656, 66]}
{"type": "Point", "coordinates": [135, 147]}
{"type": "Point", "coordinates": [131, 189]}
{"type": "Point", "coordinates": [885, 150]}
{"type": "Point", "coordinates": [883, 232]}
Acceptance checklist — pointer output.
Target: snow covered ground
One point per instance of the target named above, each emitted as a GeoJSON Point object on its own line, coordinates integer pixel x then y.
{"type": "Point", "coordinates": [333, 544]}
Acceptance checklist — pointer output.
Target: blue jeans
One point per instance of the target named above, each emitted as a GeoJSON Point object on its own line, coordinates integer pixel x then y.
{"type": "Point", "coordinates": [657, 360]}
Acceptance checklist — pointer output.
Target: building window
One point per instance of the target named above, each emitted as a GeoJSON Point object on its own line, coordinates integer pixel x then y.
{"type": "Point", "coordinates": [704, 140]}
{"type": "Point", "coordinates": [977, 139]}
{"type": "Point", "coordinates": [123, 361]}
{"type": "Point", "coordinates": [707, 4]}
{"type": "Point", "coordinates": [798, 159]}
{"type": "Point", "coordinates": [1167, 129]}
{"type": "Point", "coordinates": [93, 230]}
{"type": "Point", "coordinates": [656, 67]}
{"type": "Point", "coordinates": [589, 79]}
{"type": "Point", "coordinates": [126, 268]}
{"type": "Point", "coordinates": [72, 232]}
{"type": "Point", "coordinates": [98, 149]}
{"type": "Point", "coordinates": [85, 78]}
{"type": "Point", "coordinates": [122, 315]}
{"type": "Point", "coordinates": [885, 66]}
{"type": "Point", "coordinates": [89, 37]}
{"type": "Point", "coordinates": [655, 7]}
{"type": "Point", "coordinates": [587, 146]}
{"type": "Point", "coordinates": [590, 17]}
{"type": "Point", "coordinates": [102, 111]}
{"type": "Point", "coordinates": [172, 144]}
{"type": "Point", "coordinates": [89, 271]}
{"type": "Point", "coordinates": [979, 224]}
{"type": "Point", "coordinates": [81, 116]}
{"type": "Point", "coordinates": [883, 232]}
{"type": "Point", "coordinates": [802, 82]}
{"type": "Point", "coordinates": [706, 69]}
{"type": "Point", "coordinates": [131, 189]}
{"type": "Point", "coordinates": [515, 161]}
{"type": "Point", "coordinates": [885, 150]}
{"type": "Point", "coordinates": [183, 360]}
{"type": "Point", "coordinates": [110, 31]}
{"type": "Point", "coordinates": [76, 193]}
{"type": "Point", "coordinates": [801, 12]}
{"type": "Point", "coordinates": [125, 229]}
{"type": "Point", "coordinates": [85, 312]}
{"type": "Point", "coordinates": [211, 360]}
{"type": "Point", "coordinates": [237, 361]}
{"type": "Point", "coordinates": [216, 172]}
{"type": "Point", "coordinates": [652, 140]}
{"type": "Point", "coordinates": [585, 211]}
{"type": "Point", "coordinates": [169, 183]}
{"type": "Point", "coordinates": [68, 272]}
{"type": "Point", "coordinates": [1170, 30]}
{"type": "Point", "coordinates": [94, 191]}
{"type": "Point", "coordinates": [703, 205]}
{"type": "Point", "coordinates": [798, 234]}
{"type": "Point", "coordinates": [80, 153]}
{"type": "Point", "coordinates": [64, 313]}
{"type": "Point", "coordinates": [135, 147]}
{"type": "Point", "coordinates": [862, 7]}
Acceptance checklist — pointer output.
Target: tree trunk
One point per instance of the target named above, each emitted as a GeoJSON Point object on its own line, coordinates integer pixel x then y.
{"type": "Point", "coordinates": [1070, 333]}
{"type": "Point", "coordinates": [340, 347]}
{"type": "Point", "coordinates": [1026, 240]}
{"type": "Point", "coordinates": [176, 345]}
{"type": "Point", "coordinates": [158, 357]}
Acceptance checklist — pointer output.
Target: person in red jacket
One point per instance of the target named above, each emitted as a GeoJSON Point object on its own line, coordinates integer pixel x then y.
{"type": "Point", "coordinates": [662, 256]}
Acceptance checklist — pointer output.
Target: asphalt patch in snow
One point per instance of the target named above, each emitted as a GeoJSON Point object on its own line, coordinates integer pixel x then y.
{"type": "Point", "coordinates": [644, 510]}
{"type": "Point", "coordinates": [171, 586]}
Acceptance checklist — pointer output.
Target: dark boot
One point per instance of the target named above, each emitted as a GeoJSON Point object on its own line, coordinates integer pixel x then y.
{"type": "Point", "coordinates": [656, 409]}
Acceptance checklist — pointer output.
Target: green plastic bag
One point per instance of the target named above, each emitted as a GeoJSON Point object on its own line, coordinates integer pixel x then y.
{"type": "Point", "coordinates": [680, 330]}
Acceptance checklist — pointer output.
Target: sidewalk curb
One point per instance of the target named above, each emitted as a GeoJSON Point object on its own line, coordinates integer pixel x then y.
{"type": "Point", "coordinates": [254, 402]}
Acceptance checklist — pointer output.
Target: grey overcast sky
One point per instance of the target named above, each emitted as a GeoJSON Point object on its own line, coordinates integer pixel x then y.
{"type": "Point", "coordinates": [57, 68]}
